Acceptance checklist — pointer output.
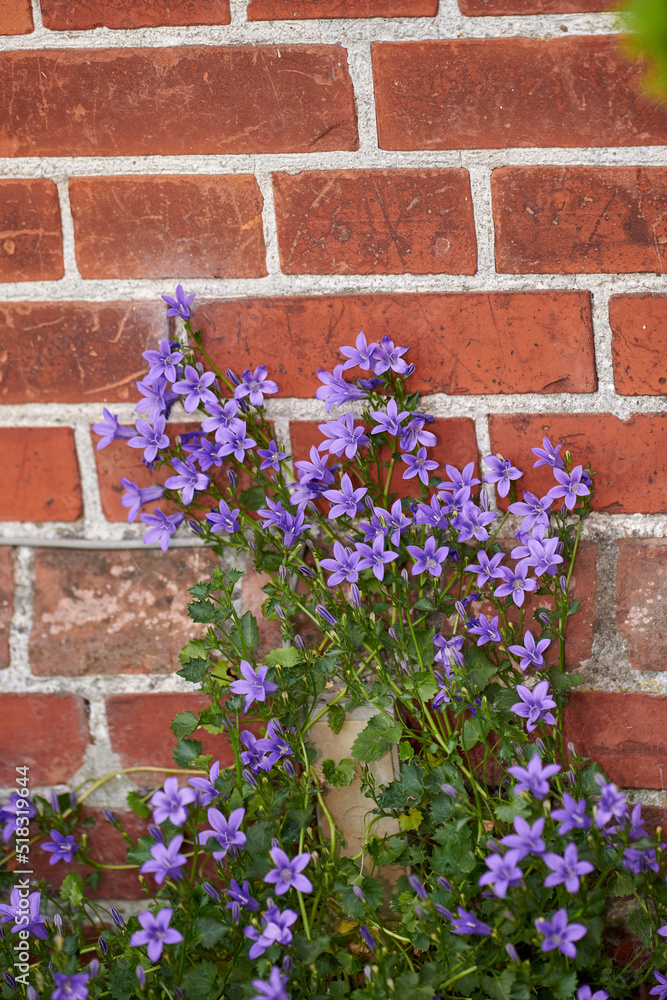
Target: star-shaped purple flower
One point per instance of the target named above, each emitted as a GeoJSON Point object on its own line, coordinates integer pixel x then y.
{"type": "Point", "coordinates": [227, 832]}
{"type": "Point", "coordinates": [343, 566]}
{"type": "Point", "coordinates": [179, 306]}
{"type": "Point", "coordinates": [156, 932]}
{"type": "Point", "coordinates": [163, 361]}
{"type": "Point", "coordinates": [534, 778]}
{"type": "Point", "coordinates": [375, 557]}
{"type": "Point", "coordinates": [274, 989]}
{"type": "Point", "coordinates": [170, 802]}
{"type": "Point", "coordinates": [272, 457]}
{"type": "Point", "coordinates": [530, 654]}
{"type": "Point", "coordinates": [572, 816]}
{"type": "Point", "coordinates": [527, 839]}
{"type": "Point", "coordinates": [111, 430]}
{"type": "Point", "coordinates": [74, 987]}
{"type": "Point", "coordinates": [61, 848]}
{"type": "Point", "coordinates": [566, 869]}
{"type": "Point", "coordinates": [151, 438]}
{"type": "Point", "coordinates": [205, 787]}
{"type": "Point", "coordinates": [504, 872]}
{"type": "Point", "coordinates": [486, 569]}
{"type": "Point", "coordinates": [419, 465]}
{"type": "Point", "coordinates": [534, 705]}
{"type": "Point", "coordinates": [532, 510]}
{"type": "Point", "coordinates": [254, 685]}
{"type": "Point", "coordinates": [188, 480]}
{"type": "Point", "coordinates": [165, 860]}
{"type": "Point", "coordinates": [502, 472]}
{"type": "Point", "coordinates": [225, 520]}
{"type": "Point", "coordinates": [255, 385]}
{"type": "Point", "coordinates": [287, 873]}
{"type": "Point", "coordinates": [336, 390]}
{"type": "Point", "coordinates": [16, 909]}
{"type": "Point", "coordinates": [428, 559]}
{"type": "Point", "coordinates": [548, 455]}
{"type": "Point", "coordinates": [486, 630]}
{"type": "Point", "coordinates": [346, 500]}
{"type": "Point", "coordinates": [569, 486]}
{"type": "Point", "coordinates": [361, 356]}
{"type": "Point", "coordinates": [559, 934]}
{"type": "Point", "coordinates": [467, 923]}
{"type": "Point", "coordinates": [135, 496]}
{"type": "Point", "coordinates": [161, 527]}
{"type": "Point", "coordinates": [195, 388]}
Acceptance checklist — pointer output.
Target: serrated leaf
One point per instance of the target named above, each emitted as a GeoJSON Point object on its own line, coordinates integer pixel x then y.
{"type": "Point", "coordinates": [472, 733]}
{"type": "Point", "coordinates": [310, 950]}
{"type": "Point", "coordinates": [562, 983]}
{"type": "Point", "coordinates": [142, 852]}
{"type": "Point", "coordinates": [506, 811]}
{"type": "Point", "coordinates": [254, 498]}
{"type": "Point", "coordinates": [374, 741]}
{"type": "Point", "coordinates": [137, 805]}
{"type": "Point", "coordinates": [338, 775]}
{"type": "Point", "coordinates": [201, 611]}
{"type": "Point", "coordinates": [186, 752]}
{"type": "Point", "coordinates": [199, 981]}
{"type": "Point", "coordinates": [640, 923]}
{"type": "Point", "coordinates": [411, 820]}
{"type": "Point", "coordinates": [423, 604]}
{"type": "Point", "coordinates": [211, 931]}
{"type": "Point", "coordinates": [336, 718]}
{"type": "Point", "coordinates": [72, 888]}
{"type": "Point", "coordinates": [122, 981]}
{"type": "Point", "coordinates": [561, 681]}
{"type": "Point", "coordinates": [250, 630]}
{"type": "Point", "coordinates": [407, 791]}
{"type": "Point", "coordinates": [426, 685]}
{"type": "Point", "coordinates": [183, 724]}
{"type": "Point", "coordinates": [288, 656]}
{"type": "Point", "coordinates": [194, 670]}
{"type": "Point", "coordinates": [406, 751]}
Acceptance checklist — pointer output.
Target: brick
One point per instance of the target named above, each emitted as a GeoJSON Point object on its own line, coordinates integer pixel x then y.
{"type": "Point", "coordinates": [285, 10]}
{"type": "Point", "coordinates": [499, 92]}
{"type": "Point", "coordinates": [135, 227]}
{"type": "Point", "coordinates": [499, 342]}
{"type": "Point", "coordinates": [76, 352]}
{"type": "Point", "coordinates": [625, 733]}
{"type": "Point", "coordinates": [375, 222]}
{"type": "Point", "coordinates": [175, 101]}
{"type": "Point", "coordinates": [114, 612]}
{"type": "Point", "coordinates": [641, 601]}
{"type": "Point", "coordinates": [31, 242]}
{"type": "Point", "coordinates": [630, 457]}
{"type": "Point", "coordinates": [41, 475]}
{"type": "Point", "coordinates": [63, 15]}
{"type": "Point", "coordinates": [639, 343]}
{"type": "Point", "coordinates": [475, 8]}
{"type": "Point", "coordinates": [580, 220]}
{"type": "Point", "coordinates": [47, 732]}
{"type": "Point", "coordinates": [15, 17]}
{"type": "Point", "coordinates": [6, 601]}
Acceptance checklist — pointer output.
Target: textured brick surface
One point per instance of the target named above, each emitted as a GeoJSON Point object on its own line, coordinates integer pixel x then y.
{"type": "Point", "coordinates": [630, 456]}
{"type": "Point", "coordinates": [15, 17]}
{"type": "Point", "coordinates": [499, 92]}
{"type": "Point", "coordinates": [375, 222]}
{"type": "Point", "coordinates": [282, 10]}
{"type": "Point", "coordinates": [475, 8]}
{"type": "Point", "coordinates": [71, 352]}
{"type": "Point", "coordinates": [579, 220]}
{"type": "Point", "coordinates": [171, 101]}
{"type": "Point", "coordinates": [41, 475]}
{"type": "Point", "coordinates": [6, 602]}
{"type": "Point", "coordinates": [641, 601]}
{"type": "Point", "coordinates": [136, 227]}
{"type": "Point", "coordinates": [639, 344]}
{"type": "Point", "coordinates": [63, 15]}
{"type": "Point", "coordinates": [31, 243]}
{"type": "Point", "coordinates": [114, 612]}
{"type": "Point", "coordinates": [48, 732]}
{"type": "Point", "coordinates": [461, 343]}
{"type": "Point", "coordinates": [624, 732]}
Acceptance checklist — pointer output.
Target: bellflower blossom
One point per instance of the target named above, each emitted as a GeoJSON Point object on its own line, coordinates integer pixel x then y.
{"type": "Point", "coordinates": [163, 361]}
{"type": "Point", "coordinates": [135, 496]}
{"type": "Point", "coordinates": [471, 522]}
{"type": "Point", "coordinates": [220, 416]}
{"type": "Point", "coordinates": [155, 932]}
{"type": "Point", "coordinates": [343, 566]}
{"type": "Point", "coordinates": [415, 433]}
{"type": "Point", "coordinates": [566, 870]}
{"type": "Point", "coordinates": [179, 306]}
{"type": "Point", "coordinates": [534, 778]}
{"type": "Point", "coordinates": [272, 457]}
{"type": "Point", "coordinates": [533, 511]}
{"type": "Point", "coordinates": [254, 685]}
{"type": "Point", "coordinates": [208, 454]}
{"type": "Point", "coordinates": [526, 839]}
{"type": "Point", "coordinates": [110, 429]}
{"type": "Point", "coordinates": [486, 630]}
{"type": "Point", "coordinates": [486, 569]}
{"type": "Point", "coordinates": [224, 519]}
{"type": "Point", "coordinates": [467, 923]}
{"type": "Point", "coordinates": [548, 455]}
{"type": "Point", "coordinates": [419, 465]}
{"type": "Point", "coordinates": [530, 654]}
{"type": "Point", "coordinates": [161, 527]}
{"type": "Point", "coordinates": [515, 584]}
{"type": "Point", "coordinates": [459, 480]}
{"type": "Point", "coordinates": [572, 816]}
{"type": "Point", "coordinates": [234, 440]}
{"type": "Point", "coordinates": [74, 987]}
{"type": "Point", "coordinates": [171, 802]}
{"type": "Point", "coordinates": [343, 436]}
{"type": "Point", "coordinates": [227, 832]}
{"type": "Point", "coordinates": [287, 873]}
{"type": "Point", "coordinates": [639, 862]}
{"type": "Point", "coordinates": [534, 705]}
{"type": "Point", "coordinates": [346, 500]}
{"type": "Point", "coordinates": [195, 388]}
{"type": "Point", "coordinates": [205, 787]}
{"type": "Point", "coordinates": [387, 357]}
{"type": "Point", "coordinates": [61, 848]}
{"type": "Point", "coordinates": [276, 930]}
{"type": "Point", "coordinates": [151, 438]}
{"type": "Point", "coordinates": [449, 650]}
{"type": "Point", "coordinates": [17, 911]}
{"type": "Point", "coordinates": [389, 422]}
{"type": "Point", "coordinates": [502, 472]}
{"type": "Point", "coordinates": [187, 481]}
{"type": "Point", "coordinates": [240, 898]}
{"type": "Point", "coordinates": [255, 385]}
{"type": "Point", "coordinates": [504, 872]}
{"type": "Point", "coordinates": [336, 390]}
{"type": "Point", "coordinates": [275, 744]}
{"type": "Point", "coordinates": [659, 991]}
{"type": "Point", "coordinates": [253, 757]}
{"type": "Point", "coordinates": [585, 993]}
{"type": "Point", "coordinates": [428, 559]}
{"type": "Point", "coordinates": [274, 989]}
{"type": "Point", "coordinates": [539, 553]}
{"type": "Point", "coordinates": [432, 514]}
{"type": "Point", "coordinates": [611, 804]}
{"type": "Point", "coordinates": [375, 557]}
{"type": "Point", "coordinates": [10, 812]}
{"type": "Point", "coordinates": [158, 399]}
{"type": "Point", "coordinates": [361, 356]}
{"type": "Point", "coordinates": [559, 934]}
{"type": "Point", "coordinates": [569, 486]}
{"type": "Point", "coordinates": [315, 469]}
{"type": "Point", "coordinates": [165, 861]}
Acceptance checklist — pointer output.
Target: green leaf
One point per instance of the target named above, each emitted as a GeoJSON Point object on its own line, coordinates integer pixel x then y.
{"type": "Point", "coordinates": [480, 669]}
{"type": "Point", "coordinates": [192, 650]}
{"type": "Point", "coordinates": [142, 852]}
{"type": "Point", "coordinates": [340, 775]}
{"type": "Point", "coordinates": [183, 724]}
{"type": "Point", "coordinates": [352, 906]}
{"type": "Point", "coordinates": [406, 751]}
{"type": "Point", "coordinates": [640, 924]}
{"type": "Point", "coordinates": [310, 950]}
{"type": "Point", "coordinates": [254, 498]}
{"type": "Point", "coordinates": [137, 805]}
{"type": "Point", "coordinates": [194, 670]}
{"type": "Point", "coordinates": [561, 681]}
{"type": "Point", "coordinates": [122, 981]}
{"type": "Point", "coordinates": [211, 931]}
{"type": "Point", "coordinates": [424, 647]}
{"type": "Point", "coordinates": [250, 630]}
{"type": "Point", "coordinates": [426, 685]}
{"type": "Point", "coordinates": [336, 718]}
{"type": "Point", "coordinates": [199, 981]}
{"type": "Point", "coordinates": [407, 791]}
{"type": "Point", "coordinates": [562, 983]}
{"type": "Point", "coordinates": [374, 741]}
{"type": "Point", "coordinates": [423, 604]}
{"type": "Point", "coordinates": [185, 752]}
{"type": "Point", "coordinates": [349, 964]}
{"type": "Point", "coordinates": [72, 888]}
{"type": "Point", "coordinates": [201, 611]}
{"type": "Point", "coordinates": [200, 590]}
{"type": "Point", "coordinates": [472, 733]}
{"type": "Point", "coordinates": [288, 656]}
{"type": "Point", "coordinates": [623, 885]}
{"type": "Point", "coordinates": [506, 811]}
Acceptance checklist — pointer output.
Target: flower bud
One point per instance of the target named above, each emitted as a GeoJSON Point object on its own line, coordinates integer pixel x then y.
{"type": "Point", "coordinates": [460, 610]}
{"type": "Point", "coordinates": [109, 816]}
{"type": "Point", "coordinates": [116, 916]}
{"type": "Point", "coordinates": [484, 499]}
{"type": "Point", "coordinates": [369, 504]}
{"type": "Point", "coordinates": [210, 891]}
{"type": "Point", "coordinates": [94, 968]}
{"type": "Point", "coordinates": [287, 965]}
{"type": "Point", "coordinates": [571, 750]}
{"type": "Point", "coordinates": [298, 641]}
{"type": "Point", "coordinates": [103, 946]}
{"type": "Point", "coordinates": [178, 993]}
{"type": "Point", "coordinates": [232, 376]}
{"type": "Point", "coordinates": [417, 887]}
{"type": "Point", "coordinates": [194, 526]}
{"type": "Point", "coordinates": [356, 596]}
{"type": "Point", "coordinates": [141, 975]}
{"type": "Point", "coordinates": [307, 572]}
{"type": "Point", "coordinates": [392, 633]}
{"type": "Point", "coordinates": [231, 475]}
{"type": "Point", "coordinates": [11, 982]}
{"type": "Point", "coordinates": [359, 893]}
{"type": "Point", "coordinates": [449, 790]}
{"type": "Point", "coordinates": [404, 576]}
{"type": "Point", "coordinates": [54, 800]}
{"type": "Point", "coordinates": [289, 768]}
{"type": "Point", "coordinates": [156, 833]}
{"type": "Point", "coordinates": [58, 921]}
{"type": "Point", "coordinates": [279, 611]}
{"type": "Point", "coordinates": [512, 953]}
{"type": "Point", "coordinates": [443, 882]}
{"type": "Point", "coordinates": [368, 972]}
{"type": "Point", "coordinates": [31, 993]}
{"type": "Point", "coordinates": [249, 777]}
{"type": "Point", "coordinates": [541, 745]}
{"type": "Point", "coordinates": [563, 584]}
{"type": "Point", "coordinates": [282, 573]}
{"type": "Point", "coordinates": [72, 799]}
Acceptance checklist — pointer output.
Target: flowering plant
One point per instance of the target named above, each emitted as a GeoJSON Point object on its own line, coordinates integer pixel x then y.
{"type": "Point", "coordinates": [494, 862]}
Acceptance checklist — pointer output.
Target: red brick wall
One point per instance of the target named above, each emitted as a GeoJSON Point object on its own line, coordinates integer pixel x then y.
{"type": "Point", "coordinates": [479, 179]}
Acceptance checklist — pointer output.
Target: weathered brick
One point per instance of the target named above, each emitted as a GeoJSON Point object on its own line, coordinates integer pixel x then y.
{"type": "Point", "coordinates": [171, 101]}
{"type": "Point", "coordinates": [6, 601]}
{"type": "Point", "coordinates": [136, 227]}
{"type": "Point", "coordinates": [41, 475]}
{"type": "Point", "coordinates": [285, 10]}
{"type": "Point", "coordinates": [15, 17]}
{"type": "Point", "coordinates": [499, 342]}
{"type": "Point", "coordinates": [630, 457]}
{"type": "Point", "coordinates": [639, 344]}
{"type": "Point", "coordinates": [625, 733]}
{"type": "Point", "coordinates": [31, 242]}
{"type": "Point", "coordinates": [63, 15]}
{"type": "Point", "coordinates": [375, 222]}
{"type": "Point", "coordinates": [46, 732]}
{"type": "Point", "coordinates": [641, 601]}
{"type": "Point", "coordinates": [579, 220]}
{"type": "Point", "coordinates": [475, 8]}
{"type": "Point", "coordinates": [498, 92]}
{"type": "Point", "coordinates": [76, 352]}
{"type": "Point", "coordinates": [114, 612]}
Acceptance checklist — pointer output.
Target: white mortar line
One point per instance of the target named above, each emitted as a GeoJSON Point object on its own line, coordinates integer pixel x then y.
{"type": "Point", "coordinates": [69, 253]}
{"type": "Point", "coordinates": [480, 186]}
{"type": "Point", "coordinates": [92, 504]}
{"type": "Point", "coordinates": [602, 337]}
{"type": "Point", "coordinates": [270, 222]}
{"type": "Point", "coordinates": [361, 72]}
{"type": "Point", "coordinates": [21, 623]}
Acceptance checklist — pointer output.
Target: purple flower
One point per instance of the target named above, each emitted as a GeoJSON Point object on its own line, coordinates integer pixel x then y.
{"type": "Point", "coordinates": [570, 486]}
{"type": "Point", "coordinates": [527, 839]}
{"type": "Point", "coordinates": [361, 356]}
{"type": "Point", "coordinates": [486, 569]}
{"type": "Point", "coordinates": [110, 430]}
{"type": "Point", "coordinates": [639, 862]}
{"type": "Point", "coordinates": [74, 987]}
{"type": "Point", "coordinates": [572, 816]}
{"type": "Point", "coordinates": [503, 873]}
{"type": "Point", "coordinates": [61, 848]}
{"type": "Point", "coordinates": [501, 472]}
{"type": "Point", "coordinates": [367, 936]}
{"type": "Point", "coordinates": [346, 500]}
{"type": "Point", "coordinates": [276, 930]}
{"type": "Point", "coordinates": [343, 436]}
{"type": "Point", "coordinates": [25, 917]}
{"type": "Point", "coordinates": [467, 923]}
{"type": "Point", "coordinates": [540, 553]}
{"type": "Point", "coordinates": [226, 520]}
{"type": "Point", "coordinates": [157, 400]}
{"type": "Point", "coordinates": [287, 873]}
{"type": "Point", "coordinates": [254, 685]}
{"type": "Point", "coordinates": [432, 513]}
{"type": "Point", "coordinates": [373, 529]}
{"type": "Point", "coordinates": [242, 897]}
{"type": "Point", "coordinates": [486, 630]}
{"type": "Point", "coordinates": [188, 479]}
{"type": "Point", "coordinates": [389, 357]}
{"type": "Point", "coordinates": [226, 832]}
{"type": "Point", "coordinates": [195, 388]}
{"type": "Point", "coordinates": [449, 650]}
{"type": "Point", "coordinates": [660, 991]}
{"type": "Point", "coordinates": [335, 389]}
{"type": "Point", "coordinates": [375, 558]}
{"type": "Point", "coordinates": [316, 469]}
{"type": "Point", "coordinates": [161, 527]}
{"type": "Point", "coordinates": [460, 480]}
{"type": "Point", "coordinates": [170, 802]}
{"type": "Point", "coordinates": [566, 869]}
{"type": "Point", "coordinates": [180, 306]}
{"type": "Point", "coordinates": [389, 422]}
{"type": "Point", "coordinates": [151, 439]}
{"type": "Point", "coordinates": [163, 361]}
{"type": "Point", "coordinates": [135, 496]}
{"type": "Point", "coordinates": [234, 440]}
{"type": "Point", "coordinates": [532, 510]}
{"type": "Point", "coordinates": [415, 434]}
{"type": "Point", "coordinates": [559, 934]}
{"type": "Point", "coordinates": [471, 522]}
{"type": "Point", "coordinates": [165, 861]}
{"type": "Point", "coordinates": [274, 989]}
{"type": "Point", "coordinates": [515, 584]}
{"type": "Point", "coordinates": [156, 932]}
{"type": "Point", "coordinates": [534, 778]}
{"type": "Point", "coordinates": [585, 993]}
{"type": "Point", "coordinates": [205, 787]}
{"type": "Point", "coordinates": [611, 803]}
{"type": "Point", "coordinates": [255, 385]}
{"type": "Point", "coordinates": [220, 416]}
{"type": "Point", "coordinates": [548, 455]}
{"type": "Point", "coordinates": [272, 457]}
{"type": "Point", "coordinates": [253, 757]}
{"type": "Point", "coordinates": [343, 566]}
{"type": "Point", "coordinates": [429, 559]}
{"type": "Point", "coordinates": [534, 705]}
{"type": "Point", "coordinates": [18, 806]}
{"type": "Point", "coordinates": [530, 653]}
{"type": "Point", "coordinates": [418, 465]}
